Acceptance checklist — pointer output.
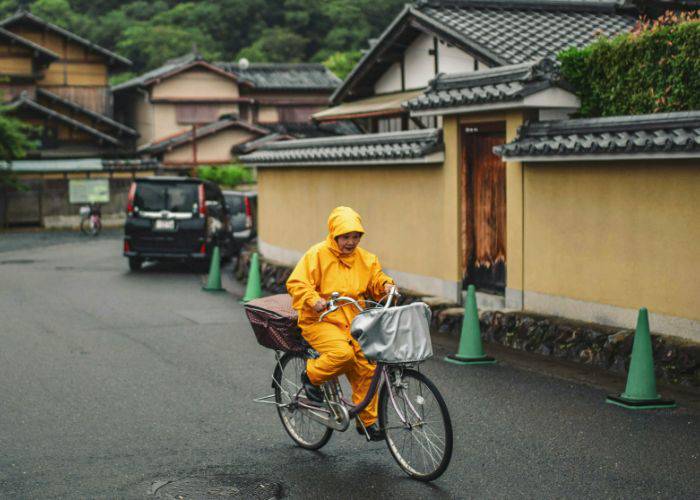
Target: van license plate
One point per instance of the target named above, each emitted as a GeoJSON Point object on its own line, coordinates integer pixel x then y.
{"type": "Point", "coordinates": [164, 225]}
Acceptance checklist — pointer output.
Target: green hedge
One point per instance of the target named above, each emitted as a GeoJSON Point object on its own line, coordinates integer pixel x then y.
{"type": "Point", "coordinates": [654, 69]}
{"type": "Point", "coordinates": [229, 175]}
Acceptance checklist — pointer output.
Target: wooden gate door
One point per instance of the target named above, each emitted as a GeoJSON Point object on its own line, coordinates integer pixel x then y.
{"type": "Point", "coordinates": [484, 208]}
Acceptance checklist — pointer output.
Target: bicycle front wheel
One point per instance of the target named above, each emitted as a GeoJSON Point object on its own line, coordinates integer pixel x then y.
{"type": "Point", "coordinates": [417, 425]}
{"type": "Point", "coordinates": [304, 431]}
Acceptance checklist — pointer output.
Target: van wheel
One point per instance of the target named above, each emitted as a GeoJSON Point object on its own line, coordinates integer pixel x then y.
{"type": "Point", "coordinates": [135, 263]}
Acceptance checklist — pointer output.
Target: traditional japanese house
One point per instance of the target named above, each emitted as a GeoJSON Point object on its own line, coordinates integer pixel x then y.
{"type": "Point", "coordinates": [192, 112]}
{"type": "Point", "coordinates": [58, 82]}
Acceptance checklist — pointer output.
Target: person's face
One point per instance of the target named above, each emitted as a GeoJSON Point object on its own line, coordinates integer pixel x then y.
{"type": "Point", "coordinates": [348, 242]}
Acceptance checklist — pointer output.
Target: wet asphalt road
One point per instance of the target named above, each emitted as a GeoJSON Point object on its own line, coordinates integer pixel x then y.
{"type": "Point", "coordinates": [122, 385]}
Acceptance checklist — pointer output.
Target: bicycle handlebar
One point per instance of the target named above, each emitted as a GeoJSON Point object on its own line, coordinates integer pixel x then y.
{"type": "Point", "coordinates": [336, 297]}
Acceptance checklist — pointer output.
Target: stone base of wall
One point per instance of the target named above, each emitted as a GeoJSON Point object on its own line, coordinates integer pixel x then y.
{"type": "Point", "coordinates": [676, 360]}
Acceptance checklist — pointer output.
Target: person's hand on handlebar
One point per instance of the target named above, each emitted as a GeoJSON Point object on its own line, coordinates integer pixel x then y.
{"type": "Point", "coordinates": [320, 305]}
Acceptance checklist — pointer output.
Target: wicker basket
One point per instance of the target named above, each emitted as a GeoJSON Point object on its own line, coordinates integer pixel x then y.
{"type": "Point", "coordinates": [274, 323]}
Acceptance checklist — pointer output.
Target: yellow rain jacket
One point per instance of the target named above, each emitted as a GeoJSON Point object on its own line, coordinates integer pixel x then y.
{"type": "Point", "coordinates": [324, 270]}
{"type": "Point", "coordinates": [321, 271]}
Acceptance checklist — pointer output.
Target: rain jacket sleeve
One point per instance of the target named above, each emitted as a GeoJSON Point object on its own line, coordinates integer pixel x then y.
{"type": "Point", "coordinates": [302, 283]}
{"type": "Point", "coordinates": [377, 280]}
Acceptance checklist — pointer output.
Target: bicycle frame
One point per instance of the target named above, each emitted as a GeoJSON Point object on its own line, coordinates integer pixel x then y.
{"type": "Point", "coordinates": [326, 414]}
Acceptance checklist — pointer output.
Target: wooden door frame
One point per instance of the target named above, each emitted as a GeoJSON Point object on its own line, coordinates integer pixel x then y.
{"type": "Point", "coordinates": [469, 132]}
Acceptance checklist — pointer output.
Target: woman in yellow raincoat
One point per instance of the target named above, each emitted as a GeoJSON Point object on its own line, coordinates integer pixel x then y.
{"type": "Point", "coordinates": [338, 264]}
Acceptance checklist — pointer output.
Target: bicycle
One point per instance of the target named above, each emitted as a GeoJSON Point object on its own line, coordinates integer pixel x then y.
{"type": "Point", "coordinates": [412, 412]}
{"type": "Point", "coordinates": [90, 220]}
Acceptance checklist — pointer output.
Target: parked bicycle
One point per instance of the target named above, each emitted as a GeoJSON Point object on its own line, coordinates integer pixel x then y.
{"type": "Point", "coordinates": [91, 219]}
{"type": "Point", "coordinates": [412, 412]}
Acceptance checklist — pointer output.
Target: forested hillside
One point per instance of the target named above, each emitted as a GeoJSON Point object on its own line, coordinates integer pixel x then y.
{"type": "Point", "coordinates": [151, 31]}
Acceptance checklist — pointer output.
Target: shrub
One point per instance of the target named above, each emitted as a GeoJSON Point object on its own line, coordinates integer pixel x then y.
{"type": "Point", "coordinates": [654, 68]}
{"type": "Point", "coordinates": [229, 175]}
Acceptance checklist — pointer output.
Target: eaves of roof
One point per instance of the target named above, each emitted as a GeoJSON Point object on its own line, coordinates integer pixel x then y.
{"type": "Point", "coordinates": [20, 16]}
{"type": "Point", "coordinates": [284, 76]}
{"type": "Point", "coordinates": [663, 135]}
{"type": "Point", "coordinates": [171, 69]}
{"type": "Point", "coordinates": [46, 54]}
{"type": "Point", "coordinates": [29, 103]}
{"type": "Point", "coordinates": [417, 146]}
{"type": "Point", "coordinates": [120, 127]}
{"type": "Point", "coordinates": [500, 85]}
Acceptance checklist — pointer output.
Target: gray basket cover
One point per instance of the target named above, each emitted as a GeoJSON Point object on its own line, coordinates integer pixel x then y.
{"type": "Point", "coordinates": [394, 335]}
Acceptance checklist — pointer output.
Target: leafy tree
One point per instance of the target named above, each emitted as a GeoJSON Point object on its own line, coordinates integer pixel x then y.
{"type": "Point", "coordinates": [341, 63]}
{"type": "Point", "coordinates": [276, 45]}
{"type": "Point", "coordinates": [150, 46]}
{"type": "Point", "coordinates": [59, 12]}
{"type": "Point", "coordinates": [151, 31]}
{"type": "Point", "coordinates": [14, 143]}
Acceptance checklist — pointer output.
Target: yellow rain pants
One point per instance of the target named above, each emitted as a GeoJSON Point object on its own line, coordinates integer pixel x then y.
{"type": "Point", "coordinates": [324, 269]}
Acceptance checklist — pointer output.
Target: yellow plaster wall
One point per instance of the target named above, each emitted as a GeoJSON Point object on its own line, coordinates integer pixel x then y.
{"type": "Point", "coordinates": [213, 149]}
{"type": "Point", "coordinates": [624, 234]}
{"type": "Point", "coordinates": [406, 210]}
{"type": "Point", "coordinates": [196, 84]}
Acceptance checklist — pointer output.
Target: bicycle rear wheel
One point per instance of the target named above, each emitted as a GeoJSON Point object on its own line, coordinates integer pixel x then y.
{"type": "Point", "coordinates": [304, 431]}
{"type": "Point", "coordinates": [417, 425]}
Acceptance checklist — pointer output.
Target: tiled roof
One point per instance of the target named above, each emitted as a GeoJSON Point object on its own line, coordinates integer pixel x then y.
{"type": "Point", "coordinates": [394, 147]}
{"type": "Point", "coordinates": [171, 67]}
{"type": "Point", "coordinates": [118, 128]}
{"type": "Point", "coordinates": [663, 134]}
{"type": "Point", "coordinates": [23, 16]}
{"type": "Point", "coordinates": [511, 32]}
{"type": "Point", "coordinates": [203, 131]}
{"type": "Point", "coordinates": [499, 32]}
{"type": "Point", "coordinates": [263, 76]}
{"type": "Point", "coordinates": [500, 84]}
{"type": "Point", "coordinates": [275, 76]}
{"type": "Point", "coordinates": [25, 102]}
{"type": "Point", "coordinates": [28, 44]}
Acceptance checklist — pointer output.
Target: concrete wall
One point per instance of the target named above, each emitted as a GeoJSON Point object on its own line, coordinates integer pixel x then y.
{"type": "Point", "coordinates": [603, 239]}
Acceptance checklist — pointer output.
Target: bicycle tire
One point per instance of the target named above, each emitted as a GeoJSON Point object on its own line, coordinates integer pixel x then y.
{"type": "Point", "coordinates": [424, 443]}
{"type": "Point", "coordinates": [319, 434]}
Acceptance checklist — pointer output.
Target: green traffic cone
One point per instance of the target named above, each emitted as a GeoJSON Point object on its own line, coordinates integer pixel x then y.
{"type": "Point", "coordinates": [214, 279]}
{"type": "Point", "coordinates": [640, 392]}
{"type": "Point", "coordinates": [253, 290]}
{"type": "Point", "coordinates": [470, 351]}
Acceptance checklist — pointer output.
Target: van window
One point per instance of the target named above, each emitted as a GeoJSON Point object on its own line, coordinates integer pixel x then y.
{"type": "Point", "coordinates": [235, 203]}
{"type": "Point", "coordinates": [155, 197]}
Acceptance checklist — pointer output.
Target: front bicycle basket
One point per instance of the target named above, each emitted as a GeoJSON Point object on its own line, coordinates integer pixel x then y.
{"type": "Point", "coordinates": [395, 335]}
{"type": "Point", "coordinates": [274, 323]}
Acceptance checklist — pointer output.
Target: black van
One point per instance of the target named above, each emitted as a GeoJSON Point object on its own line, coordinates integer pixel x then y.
{"type": "Point", "coordinates": [174, 218]}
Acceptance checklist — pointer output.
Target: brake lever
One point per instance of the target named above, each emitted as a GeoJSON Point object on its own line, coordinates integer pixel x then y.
{"type": "Point", "coordinates": [328, 311]}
